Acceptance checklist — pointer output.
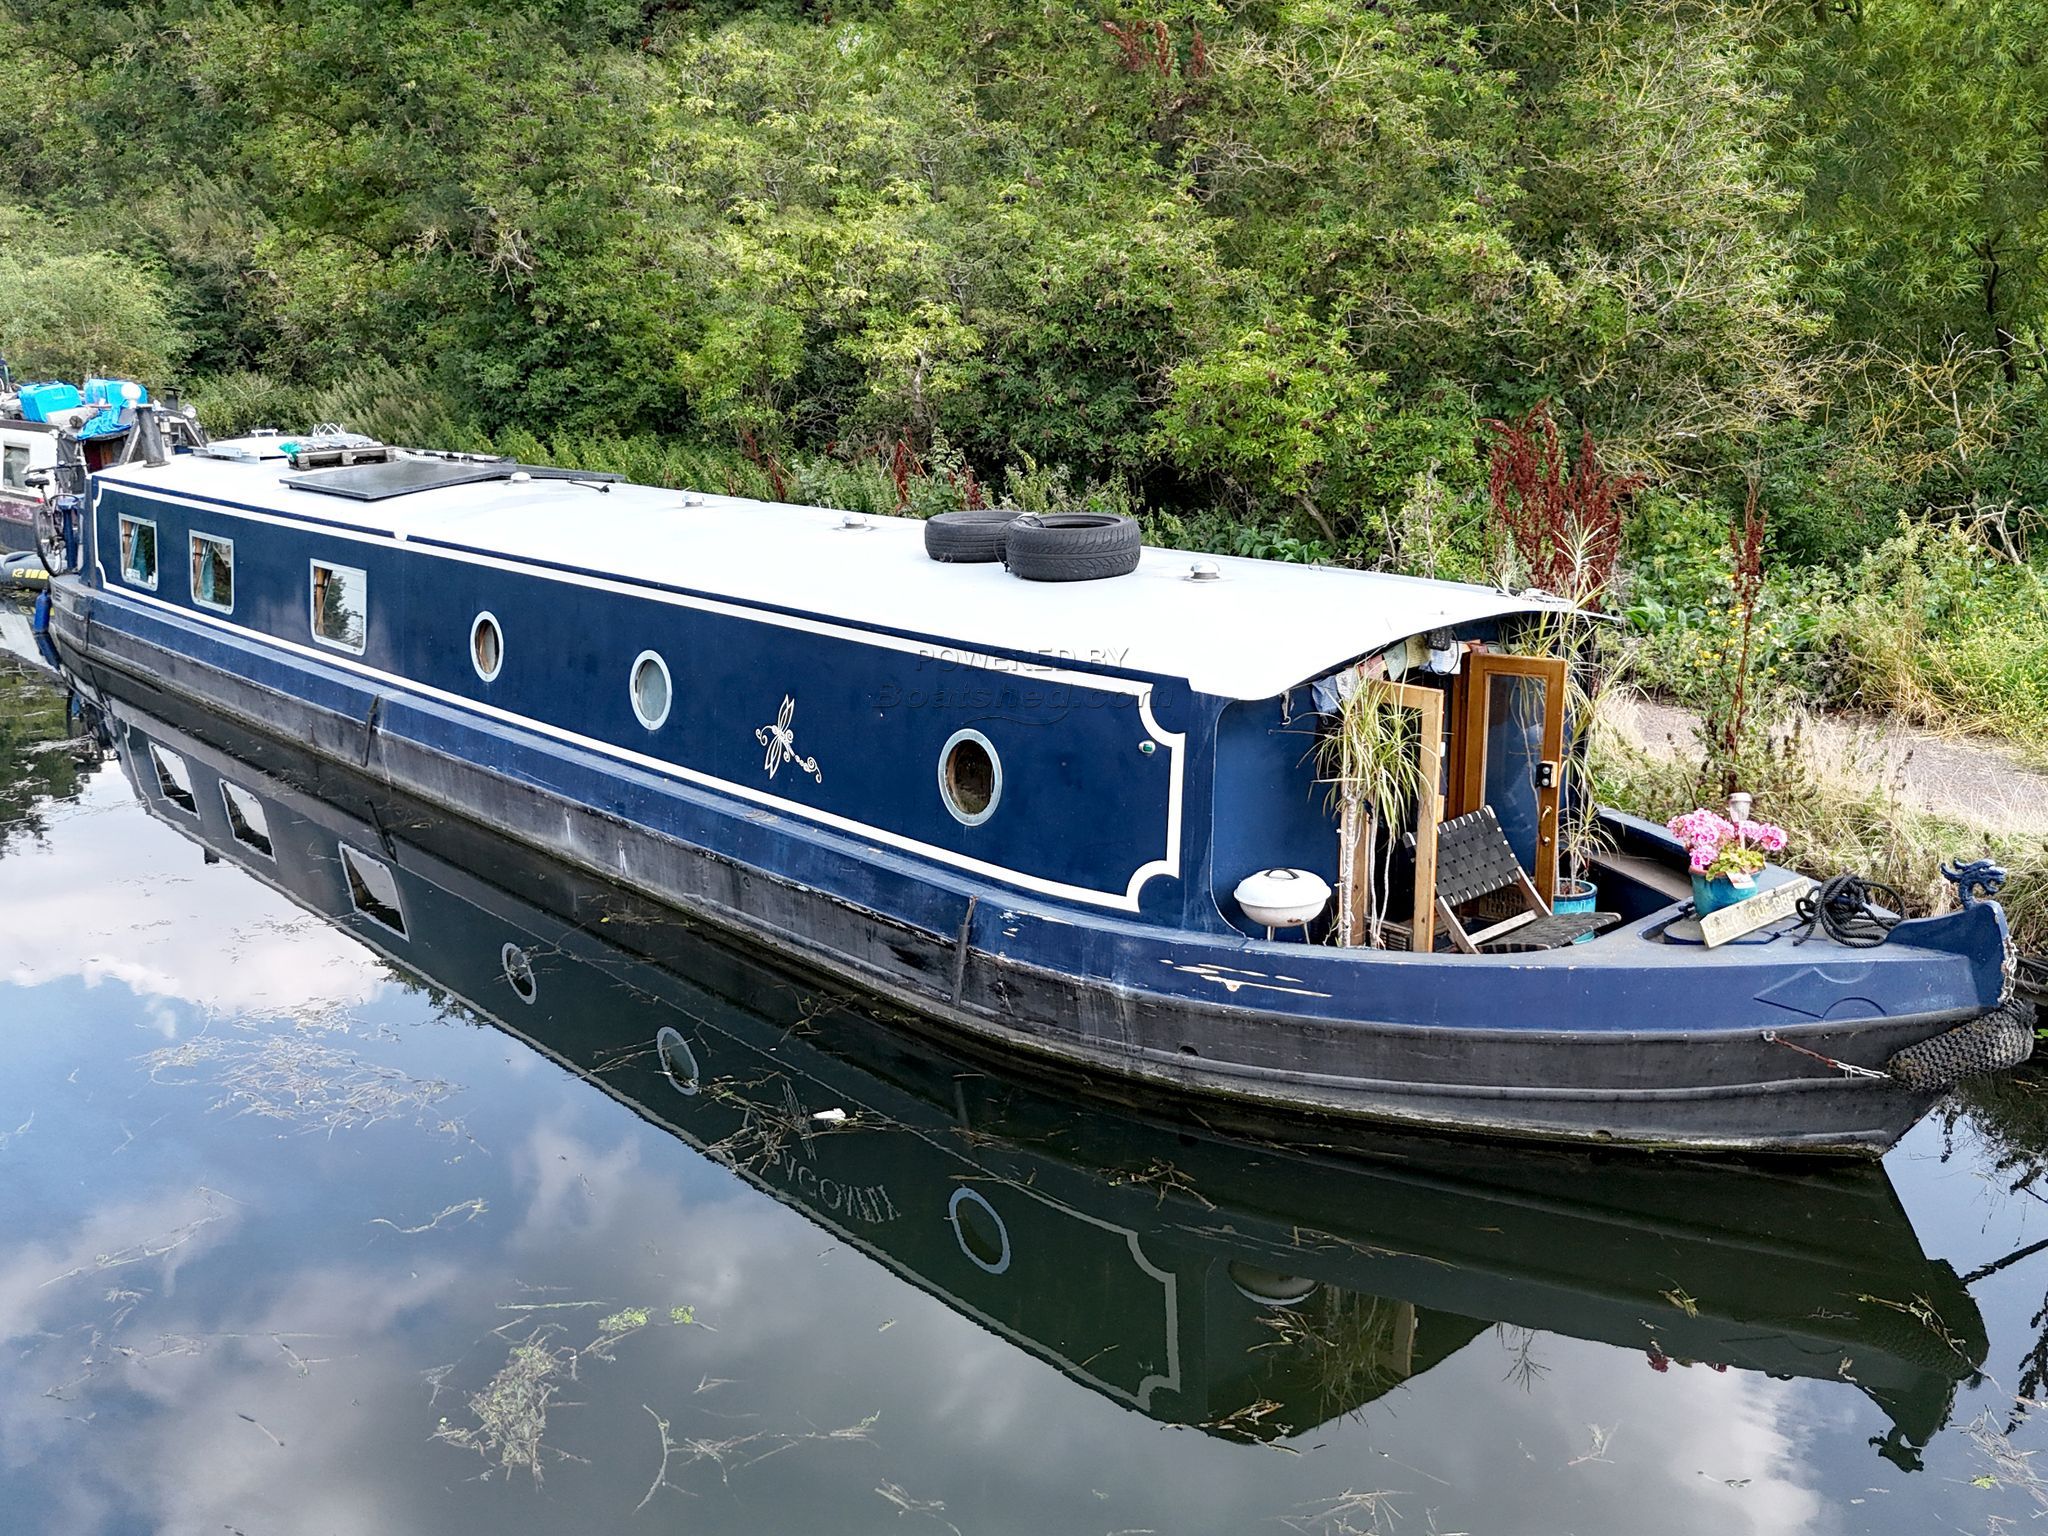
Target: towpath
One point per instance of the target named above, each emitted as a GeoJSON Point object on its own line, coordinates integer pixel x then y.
{"type": "Point", "coordinates": [1961, 777]}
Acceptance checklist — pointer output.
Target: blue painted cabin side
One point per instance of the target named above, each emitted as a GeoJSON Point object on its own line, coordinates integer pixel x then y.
{"type": "Point", "coordinates": [1116, 760]}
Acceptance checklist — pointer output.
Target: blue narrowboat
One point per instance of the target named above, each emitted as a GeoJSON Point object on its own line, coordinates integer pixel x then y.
{"type": "Point", "coordinates": [1067, 819]}
{"type": "Point", "coordinates": [1244, 1282]}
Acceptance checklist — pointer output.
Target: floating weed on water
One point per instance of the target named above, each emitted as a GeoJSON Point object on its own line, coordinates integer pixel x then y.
{"type": "Point", "coordinates": [614, 1330]}
{"type": "Point", "coordinates": [1601, 1439]}
{"type": "Point", "coordinates": [668, 1449]}
{"type": "Point", "coordinates": [2010, 1466]}
{"type": "Point", "coordinates": [1165, 1178]}
{"type": "Point", "coordinates": [1249, 1422]}
{"type": "Point", "coordinates": [154, 1247]}
{"type": "Point", "coordinates": [511, 1411]}
{"type": "Point", "coordinates": [1921, 1310]}
{"type": "Point", "coordinates": [305, 1081]}
{"type": "Point", "coordinates": [727, 1454]}
{"type": "Point", "coordinates": [1341, 1516]}
{"type": "Point", "coordinates": [436, 1378]}
{"type": "Point", "coordinates": [123, 1302]}
{"type": "Point", "coordinates": [248, 1419]}
{"type": "Point", "coordinates": [469, 1210]}
{"type": "Point", "coordinates": [931, 1509]}
{"type": "Point", "coordinates": [99, 1354]}
{"type": "Point", "coordinates": [1679, 1299]}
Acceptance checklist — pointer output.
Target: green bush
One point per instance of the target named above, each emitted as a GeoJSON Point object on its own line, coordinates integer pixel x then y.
{"type": "Point", "coordinates": [1935, 628]}
{"type": "Point", "coordinates": [1683, 624]}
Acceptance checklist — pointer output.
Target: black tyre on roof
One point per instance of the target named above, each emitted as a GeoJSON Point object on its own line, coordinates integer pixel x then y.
{"type": "Point", "coordinates": [967, 538]}
{"type": "Point", "coordinates": [1071, 546]}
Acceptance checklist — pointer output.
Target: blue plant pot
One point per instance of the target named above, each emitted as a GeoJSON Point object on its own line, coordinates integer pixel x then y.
{"type": "Point", "coordinates": [1713, 895]}
{"type": "Point", "coordinates": [1576, 896]}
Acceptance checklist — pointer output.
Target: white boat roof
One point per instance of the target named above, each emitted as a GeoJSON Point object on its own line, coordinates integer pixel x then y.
{"type": "Point", "coordinates": [1263, 628]}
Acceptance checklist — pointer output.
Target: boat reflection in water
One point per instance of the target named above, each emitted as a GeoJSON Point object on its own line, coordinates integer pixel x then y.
{"type": "Point", "coordinates": [1248, 1287]}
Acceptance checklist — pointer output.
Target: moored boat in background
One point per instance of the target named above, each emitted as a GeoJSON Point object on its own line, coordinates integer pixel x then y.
{"type": "Point", "coordinates": [1024, 809]}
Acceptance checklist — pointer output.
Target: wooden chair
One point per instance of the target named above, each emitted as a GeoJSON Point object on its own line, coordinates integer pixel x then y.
{"type": "Point", "coordinates": [1473, 860]}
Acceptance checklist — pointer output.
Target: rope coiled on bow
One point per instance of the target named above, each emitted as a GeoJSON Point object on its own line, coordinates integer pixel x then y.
{"type": "Point", "coordinates": [1854, 912]}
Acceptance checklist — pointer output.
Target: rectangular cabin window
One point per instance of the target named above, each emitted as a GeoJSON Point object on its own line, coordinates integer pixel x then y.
{"type": "Point", "coordinates": [138, 552]}
{"type": "Point", "coordinates": [15, 476]}
{"type": "Point", "coordinates": [213, 572]}
{"type": "Point", "coordinates": [373, 890]}
{"type": "Point", "coordinates": [340, 606]}
{"type": "Point", "coordinates": [246, 819]}
{"type": "Point", "coordinates": [173, 779]}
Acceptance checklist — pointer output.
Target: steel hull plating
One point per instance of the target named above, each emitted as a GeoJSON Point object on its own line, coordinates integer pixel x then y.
{"type": "Point", "coordinates": [17, 525]}
{"type": "Point", "coordinates": [1121, 1003]}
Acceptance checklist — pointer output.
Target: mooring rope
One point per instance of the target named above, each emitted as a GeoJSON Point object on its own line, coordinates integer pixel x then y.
{"type": "Point", "coordinates": [1774, 1038]}
{"type": "Point", "coordinates": [1850, 910]}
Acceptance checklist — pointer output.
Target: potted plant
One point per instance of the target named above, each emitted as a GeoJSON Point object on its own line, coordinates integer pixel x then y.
{"type": "Point", "coordinates": [1725, 855]}
{"type": "Point", "coordinates": [1371, 758]}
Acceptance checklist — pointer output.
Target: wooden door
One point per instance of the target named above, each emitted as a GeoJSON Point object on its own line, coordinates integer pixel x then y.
{"type": "Point", "coordinates": [1508, 752]}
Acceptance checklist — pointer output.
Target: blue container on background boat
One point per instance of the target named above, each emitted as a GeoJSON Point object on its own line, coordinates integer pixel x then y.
{"type": "Point", "coordinates": [107, 392]}
{"type": "Point", "coordinates": [46, 402]}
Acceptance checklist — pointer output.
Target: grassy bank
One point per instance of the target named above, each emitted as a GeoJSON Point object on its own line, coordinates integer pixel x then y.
{"type": "Point", "coordinates": [1936, 625]}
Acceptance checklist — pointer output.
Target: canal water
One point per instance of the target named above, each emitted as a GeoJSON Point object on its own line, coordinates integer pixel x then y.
{"type": "Point", "coordinates": [361, 1174]}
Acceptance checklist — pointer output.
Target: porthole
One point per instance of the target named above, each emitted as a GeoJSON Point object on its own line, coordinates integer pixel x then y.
{"type": "Point", "coordinates": [486, 646]}
{"type": "Point", "coordinates": [678, 1061]}
{"type": "Point", "coordinates": [970, 777]}
{"type": "Point", "coordinates": [650, 689]}
{"type": "Point", "coordinates": [979, 1230]}
{"type": "Point", "coordinates": [518, 967]}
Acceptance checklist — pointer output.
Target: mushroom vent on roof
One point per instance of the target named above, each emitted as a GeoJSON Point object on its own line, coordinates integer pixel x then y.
{"type": "Point", "coordinates": [402, 477]}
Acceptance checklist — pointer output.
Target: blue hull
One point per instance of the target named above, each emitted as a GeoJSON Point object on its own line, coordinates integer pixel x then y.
{"type": "Point", "coordinates": [1121, 975]}
{"type": "Point", "coordinates": [1158, 1293]}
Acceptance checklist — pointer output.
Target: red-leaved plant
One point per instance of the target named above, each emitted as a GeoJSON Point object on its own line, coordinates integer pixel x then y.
{"type": "Point", "coordinates": [1564, 518]}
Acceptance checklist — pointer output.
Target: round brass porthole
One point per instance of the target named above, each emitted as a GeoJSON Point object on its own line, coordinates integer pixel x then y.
{"type": "Point", "coordinates": [651, 691]}
{"type": "Point", "coordinates": [970, 777]}
{"type": "Point", "coordinates": [486, 646]}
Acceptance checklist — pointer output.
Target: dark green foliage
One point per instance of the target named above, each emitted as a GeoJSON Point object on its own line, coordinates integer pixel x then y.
{"type": "Point", "coordinates": [1259, 273]}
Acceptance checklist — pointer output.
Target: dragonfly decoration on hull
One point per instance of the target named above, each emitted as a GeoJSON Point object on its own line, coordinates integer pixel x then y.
{"type": "Point", "coordinates": [780, 740]}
